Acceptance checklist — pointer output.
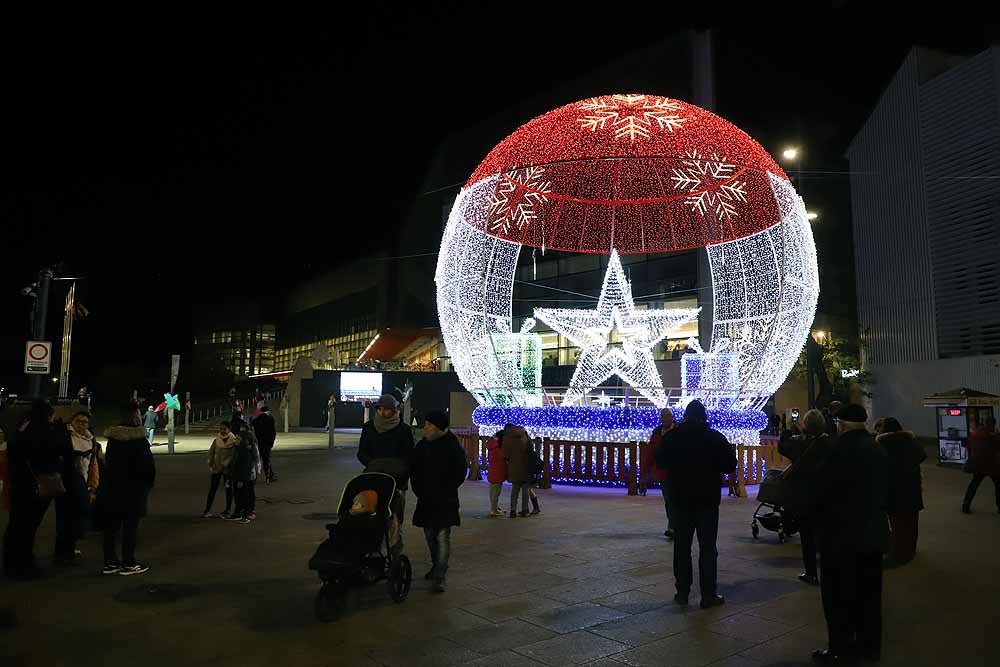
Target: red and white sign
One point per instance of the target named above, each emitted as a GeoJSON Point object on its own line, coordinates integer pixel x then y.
{"type": "Point", "coordinates": [37, 357]}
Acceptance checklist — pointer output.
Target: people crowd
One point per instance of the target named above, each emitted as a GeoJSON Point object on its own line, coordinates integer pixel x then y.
{"type": "Point", "coordinates": [853, 495]}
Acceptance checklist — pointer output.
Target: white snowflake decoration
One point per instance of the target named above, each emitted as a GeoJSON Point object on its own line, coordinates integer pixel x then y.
{"type": "Point", "coordinates": [514, 200]}
{"type": "Point", "coordinates": [631, 116]}
{"type": "Point", "coordinates": [639, 331]}
{"type": "Point", "coordinates": [713, 185]}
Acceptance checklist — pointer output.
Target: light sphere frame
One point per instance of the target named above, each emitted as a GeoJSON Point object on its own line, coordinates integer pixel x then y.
{"type": "Point", "coordinates": [615, 175]}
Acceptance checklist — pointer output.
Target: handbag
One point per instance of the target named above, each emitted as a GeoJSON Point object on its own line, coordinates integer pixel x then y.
{"type": "Point", "coordinates": [93, 473]}
{"type": "Point", "coordinates": [48, 484]}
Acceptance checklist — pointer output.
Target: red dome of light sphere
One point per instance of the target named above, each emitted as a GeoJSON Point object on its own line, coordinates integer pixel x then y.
{"type": "Point", "coordinates": [637, 173]}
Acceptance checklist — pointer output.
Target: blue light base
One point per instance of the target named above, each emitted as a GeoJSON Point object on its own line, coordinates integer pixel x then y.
{"type": "Point", "coordinates": [611, 424]}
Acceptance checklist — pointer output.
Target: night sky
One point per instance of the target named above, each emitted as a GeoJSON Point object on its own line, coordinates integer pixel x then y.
{"type": "Point", "coordinates": [180, 166]}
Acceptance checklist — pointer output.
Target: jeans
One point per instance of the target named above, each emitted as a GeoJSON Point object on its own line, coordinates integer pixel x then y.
{"type": "Point", "coordinates": [129, 525]}
{"type": "Point", "coordinates": [851, 586]}
{"type": "Point", "coordinates": [666, 504]}
{"type": "Point", "coordinates": [519, 488]}
{"type": "Point", "coordinates": [977, 479]}
{"type": "Point", "coordinates": [265, 460]}
{"type": "Point", "coordinates": [245, 498]}
{"type": "Point", "coordinates": [807, 536]}
{"type": "Point", "coordinates": [439, 544]}
{"type": "Point", "coordinates": [213, 487]}
{"type": "Point", "coordinates": [687, 522]}
{"type": "Point", "coordinates": [70, 513]}
{"type": "Point", "coordinates": [495, 495]}
{"type": "Point", "coordinates": [149, 434]}
{"type": "Point", "coordinates": [26, 513]}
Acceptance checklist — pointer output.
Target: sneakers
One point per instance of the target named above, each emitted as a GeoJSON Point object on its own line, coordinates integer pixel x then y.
{"type": "Point", "coordinates": [439, 586]}
{"type": "Point", "coordinates": [496, 513]}
{"type": "Point", "coordinates": [244, 519]}
{"type": "Point", "coordinates": [430, 574]}
{"type": "Point", "coordinates": [226, 515]}
{"type": "Point", "coordinates": [207, 515]}
{"type": "Point", "coordinates": [232, 517]}
{"type": "Point", "coordinates": [252, 516]}
{"type": "Point", "coordinates": [129, 570]}
{"type": "Point", "coordinates": [712, 601]}
{"type": "Point", "coordinates": [681, 599]}
{"type": "Point", "coordinates": [535, 511]}
{"type": "Point", "coordinates": [111, 568]}
{"type": "Point", "coordinates": [669, 533]}
{"type": "Point", "coordinates": [522, 514]}
{"type": "Point", "coordinates": [807, 578]}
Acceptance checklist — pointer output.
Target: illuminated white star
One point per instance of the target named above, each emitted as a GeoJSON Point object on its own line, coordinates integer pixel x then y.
{"type": "Point", "coordinates": [638, 330]}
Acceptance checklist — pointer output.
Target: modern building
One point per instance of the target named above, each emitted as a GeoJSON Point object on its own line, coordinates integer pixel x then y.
{"type": "Point", "coordinates": [926, 217]}
{"type": "Point", "coordinates": [236, 336]}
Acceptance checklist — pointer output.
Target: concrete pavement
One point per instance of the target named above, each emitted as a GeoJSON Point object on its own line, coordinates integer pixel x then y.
{"type": "Point", "coordinates": [589, 581]}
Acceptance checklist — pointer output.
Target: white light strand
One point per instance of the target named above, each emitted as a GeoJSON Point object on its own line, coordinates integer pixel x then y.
{"type": "Point", "coordinates": [765, 289]}
{"type": "Point", "coordinates": [639, 332]}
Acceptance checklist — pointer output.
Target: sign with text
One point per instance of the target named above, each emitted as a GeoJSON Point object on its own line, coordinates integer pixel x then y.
{"type": "Point", "coordinates": [37, 357]}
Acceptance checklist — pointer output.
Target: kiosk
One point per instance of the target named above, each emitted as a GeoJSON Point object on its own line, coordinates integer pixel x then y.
{"type": "Point", "coordinates": [959, 412]}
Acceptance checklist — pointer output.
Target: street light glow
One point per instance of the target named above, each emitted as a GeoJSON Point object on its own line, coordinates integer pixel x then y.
{"type": "Point", "coordinates": [790, 153]}
{"type": "Point", "coordinates": [812, 216]}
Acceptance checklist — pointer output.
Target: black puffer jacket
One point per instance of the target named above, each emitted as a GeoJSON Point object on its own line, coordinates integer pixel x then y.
{"type": "Point", "coordinates": [695, 458]}
{"type": "Point", "coordinates": [129, 472]}
{"type": "Point", "coordinates": [439, 468]}
{"type": "Point", "coordinates": [396, 443]}
{"type": "Point", "coordinates": [45, 448]}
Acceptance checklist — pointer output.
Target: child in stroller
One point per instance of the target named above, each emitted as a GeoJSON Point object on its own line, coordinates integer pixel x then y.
{"type": "Point", "coordinates": [359, 546]}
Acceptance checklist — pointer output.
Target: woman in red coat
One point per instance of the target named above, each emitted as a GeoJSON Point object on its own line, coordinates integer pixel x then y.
{"type": "Point", "coordinates": [496, 471]}
{"type": "Point", "coordinates": [648, 462]}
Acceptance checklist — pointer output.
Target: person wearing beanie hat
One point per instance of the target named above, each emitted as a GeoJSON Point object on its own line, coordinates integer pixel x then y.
{"type": "Point", "coordinates": [850, 499]}
{"type": "Point", "coordinates": [695, 457]}
{"type": "Point", "coordinates": [386, 445]}
{"type": "Point", "coordinates": [439, 468]}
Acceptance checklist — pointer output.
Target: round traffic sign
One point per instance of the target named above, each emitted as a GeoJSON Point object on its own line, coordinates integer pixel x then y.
{"type": "Point", "coordinates": [38, 352]}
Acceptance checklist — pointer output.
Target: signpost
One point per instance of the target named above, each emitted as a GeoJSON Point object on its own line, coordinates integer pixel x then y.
{"type": "Point", "coordinates": [175, 365]}
{"type": "Point", "coordinates": [37, 357]}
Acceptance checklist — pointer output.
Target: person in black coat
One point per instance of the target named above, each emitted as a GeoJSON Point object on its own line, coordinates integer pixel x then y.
{"type": "Point", "coordinates": [386, 445]}
{"type": "Point", "coordinates": [851, 493]}
{"type": "Point", "coordinates": [695, 458]}
{"type": "Point", "coordinates": [39, 446]}
{"type": "Point", "coordinates": [439, 468]}
{"type": "Point", "coordinates": [906, 498]}
{"type": "Point", "coordinates": [123, 497]}
{"type": "Point", "coordinates": [264, 429]}
{"type": "Point", "coordinates": [808, 453]}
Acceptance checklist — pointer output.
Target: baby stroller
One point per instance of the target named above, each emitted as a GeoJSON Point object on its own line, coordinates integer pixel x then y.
{"type": "Point", "coordinates": [359, 549]}
{"type": "Point", "coordinates": [775, 519]}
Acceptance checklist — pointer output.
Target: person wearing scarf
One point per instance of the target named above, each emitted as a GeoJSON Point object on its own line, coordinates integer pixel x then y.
{"type": "Point", "coordinates": [220, 457]}
{"type": "Point", "coordinates": [386, 445]}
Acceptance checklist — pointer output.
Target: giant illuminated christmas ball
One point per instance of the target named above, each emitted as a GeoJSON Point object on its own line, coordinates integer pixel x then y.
{"type": "Point", "coordinates": [615, 175]}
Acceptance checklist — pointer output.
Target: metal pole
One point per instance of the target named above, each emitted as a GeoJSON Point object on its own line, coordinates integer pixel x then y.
{"type": "Point", "coordinates": [331, 421]}
{"type": "Point", "coordinates": [284, 403]}
{"type": "Point", "coordinates": [170, 430]}
{"type": "Point", "coordinates": [41, 313]}
{"type": "Point", "coordinates": [703, 62]}
{"type": "Point", "coordinates": [809, 372]}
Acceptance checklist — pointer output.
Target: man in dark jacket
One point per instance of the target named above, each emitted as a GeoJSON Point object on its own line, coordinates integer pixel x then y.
{"type": "Point", "coordinates": [984, 461]}
{"type": "Point", "coordinates": [695, 458]}
{"type": "Point", "coordinates": [439, 468]}
{"type": "Point", "coordinates": [263, 428]}
{"type": "Point", "coordinates": [851, 494]}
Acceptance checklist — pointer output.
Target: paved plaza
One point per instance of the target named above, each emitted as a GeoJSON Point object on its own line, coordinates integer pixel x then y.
{"type": "Point", "coordinates": [589, 581]}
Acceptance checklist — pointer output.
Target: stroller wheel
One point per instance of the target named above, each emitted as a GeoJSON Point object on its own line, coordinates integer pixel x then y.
{"type": "Point", "coordinates": [400, 577]}
{"type": "Point", "coordinates": [329, 603]}
{"type": "Point", "coordinates": [754, 530]}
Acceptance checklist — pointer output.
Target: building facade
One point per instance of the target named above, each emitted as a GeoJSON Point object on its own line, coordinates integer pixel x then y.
{"type": "Point", "coordinates": [926, 218]}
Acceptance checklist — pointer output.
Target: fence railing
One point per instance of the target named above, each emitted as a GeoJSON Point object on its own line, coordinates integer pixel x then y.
{"type": "Point", "coordinates": [617, 464]}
